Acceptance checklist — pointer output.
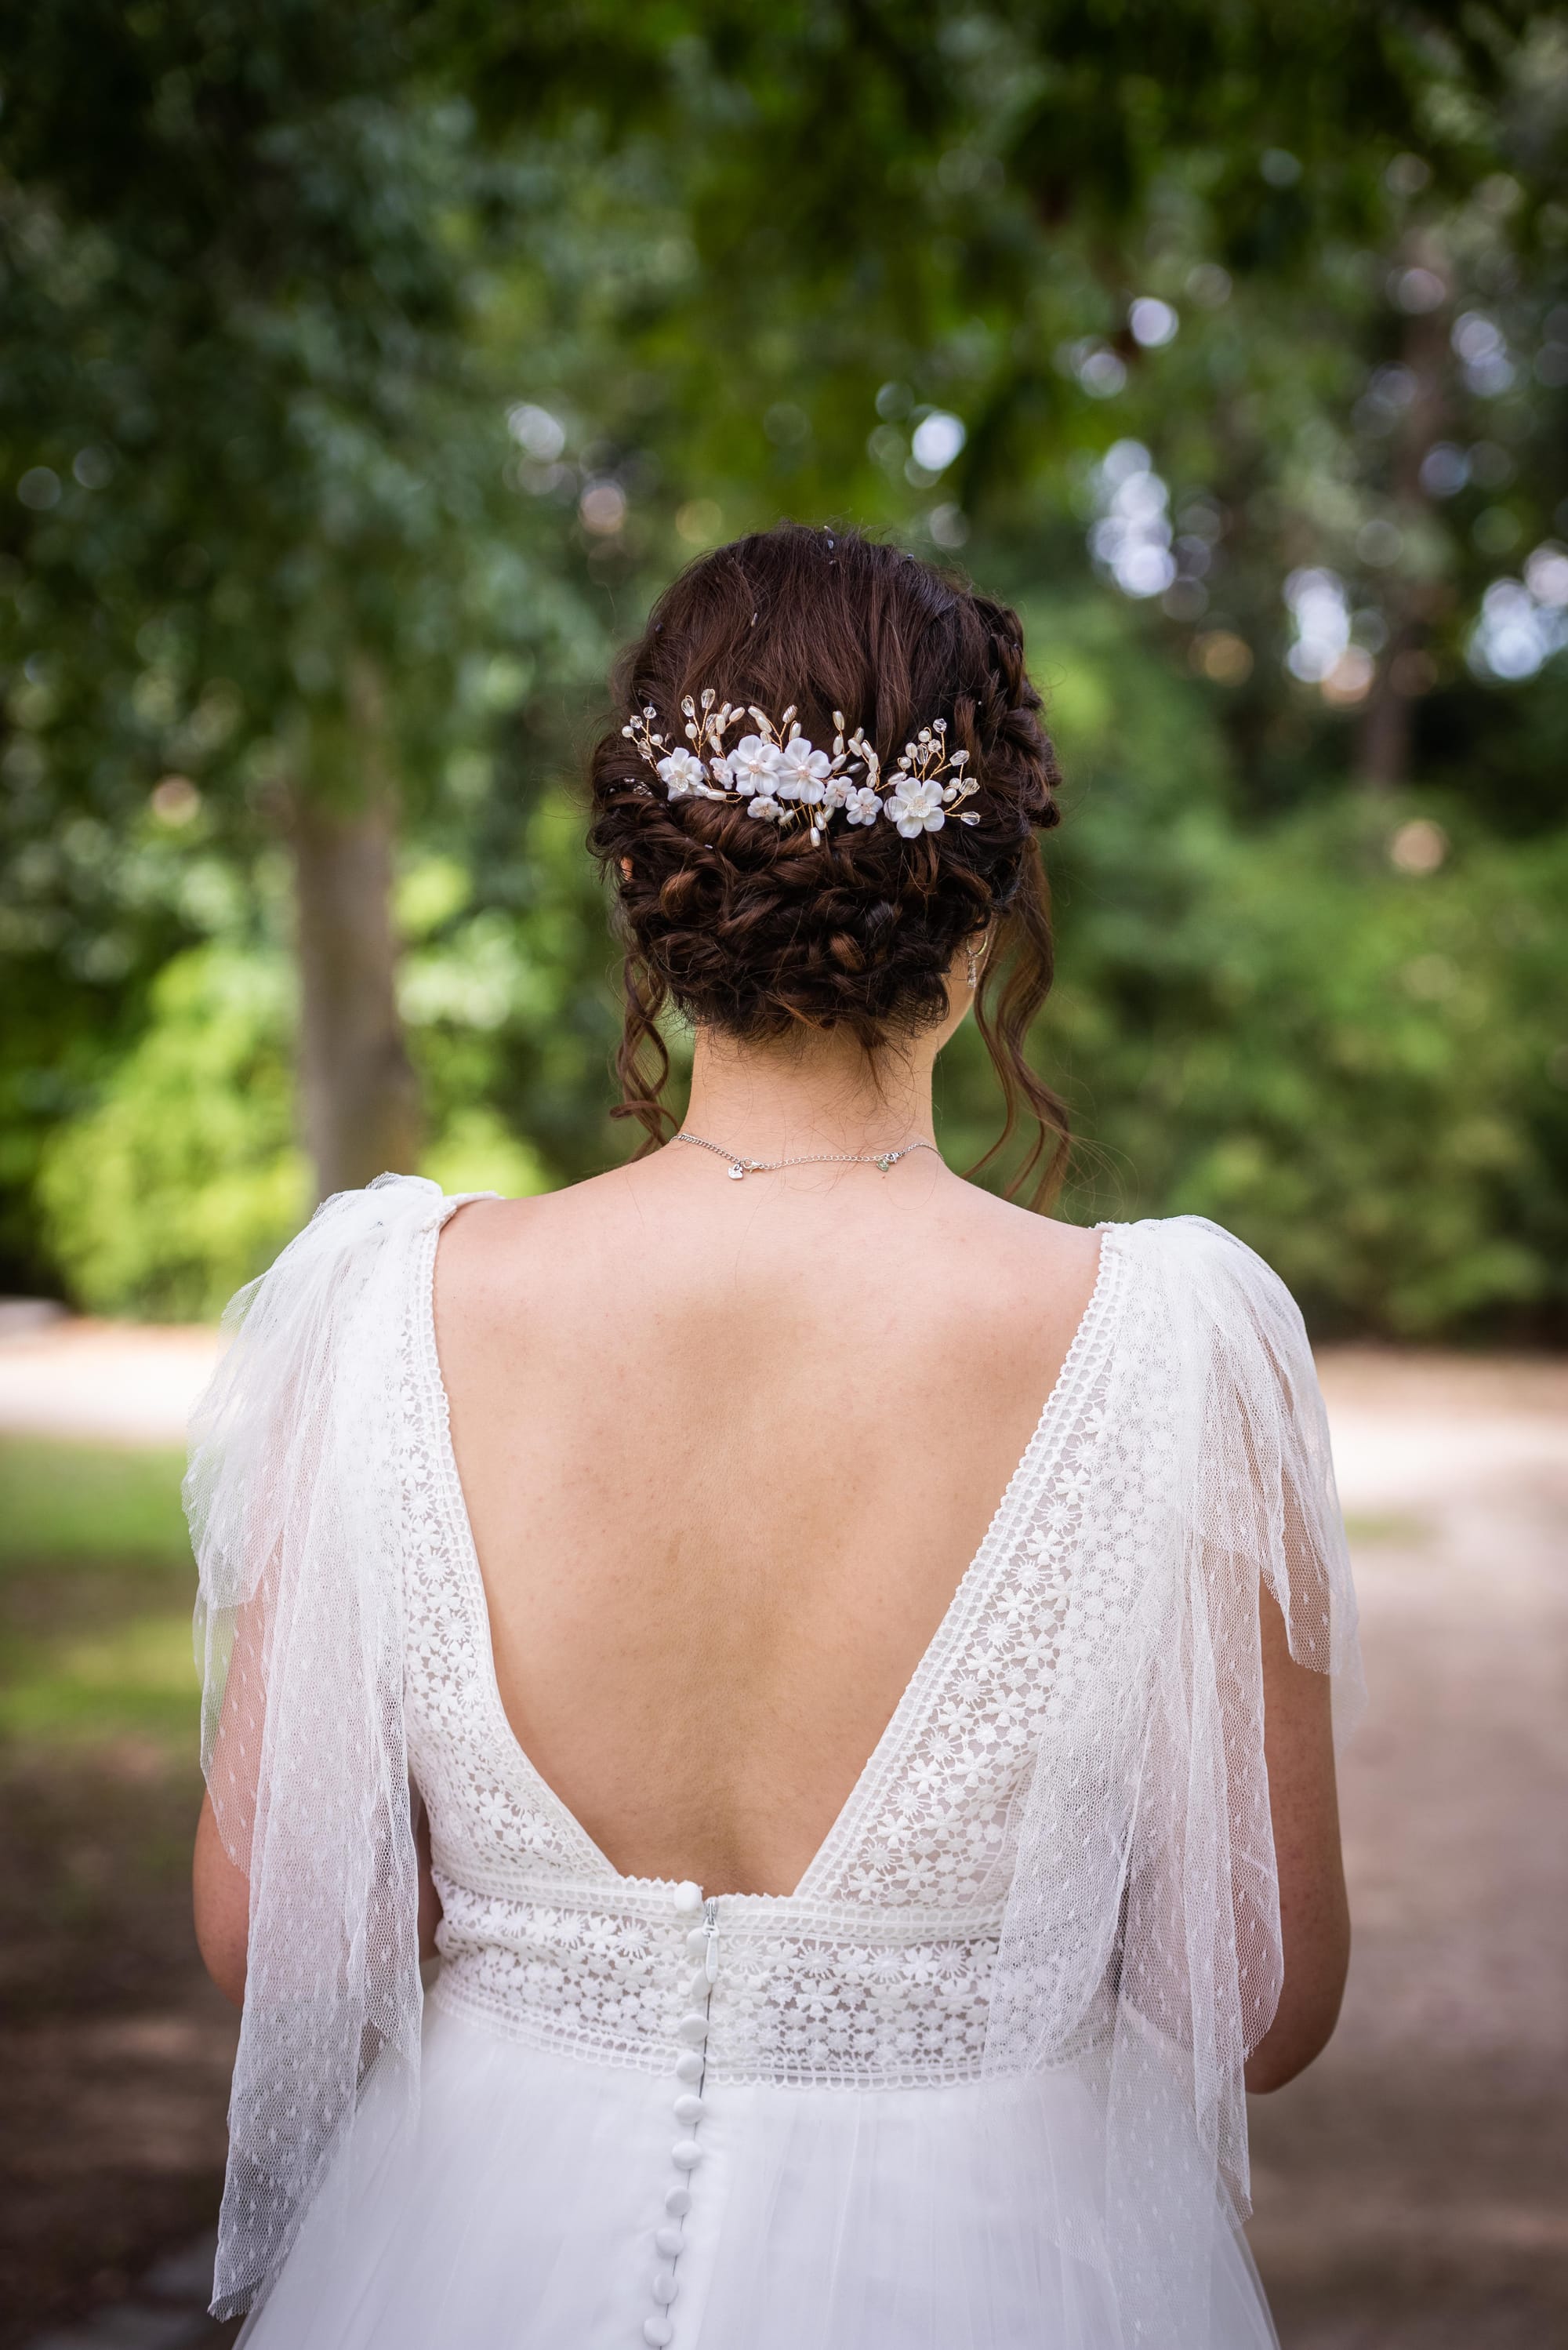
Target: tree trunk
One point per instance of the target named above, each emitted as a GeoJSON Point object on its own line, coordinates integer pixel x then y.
{"type": "Point", "coordinates": [1384, 738]}
{"type": "Point", "coordinates": [359, 1093]}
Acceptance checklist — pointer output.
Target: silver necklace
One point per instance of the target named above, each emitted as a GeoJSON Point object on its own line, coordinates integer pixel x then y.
{"type": "Point", "coordinates": [739, 1168]}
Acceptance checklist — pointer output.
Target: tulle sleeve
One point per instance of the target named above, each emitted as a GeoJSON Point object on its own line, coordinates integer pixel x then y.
{"type": "Point", "coordinates": [1147, 1846]}
{"type": "Point", "coordinates": [293, 1498]}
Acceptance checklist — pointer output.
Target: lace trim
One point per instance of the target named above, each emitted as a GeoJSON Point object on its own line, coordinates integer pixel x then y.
{"type": "Point", "coordinates": [830, 2003]}
{"type": "Point", "coordinates": [928, 1819]}
{"type": "Point", "coordinates": [460, 1728]}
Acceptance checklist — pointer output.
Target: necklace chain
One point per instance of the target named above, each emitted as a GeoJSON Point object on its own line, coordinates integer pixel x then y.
{"type": "Point", "coordinates": [739, 1168]}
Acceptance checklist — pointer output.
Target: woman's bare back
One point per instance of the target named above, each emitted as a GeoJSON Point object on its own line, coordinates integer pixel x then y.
{"type": "Point", "coordinates": [727, 1451]}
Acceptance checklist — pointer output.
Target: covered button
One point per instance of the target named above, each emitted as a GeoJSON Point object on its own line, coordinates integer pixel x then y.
{"type": "Point", "coordinates": [688, 1897]}
{"type": "Point", "coordinates": [688, 2066]}
{"type": "Point", "coordinates": [688, 2107]}
{"type": "Point", "coordinates": [665, 2287]}
{"type": "Point", "coordinates": [658, 2331]}
{"type": "Point", "coordinates": [686, 2154]}
{"type": "Point", "coordinates": [667, 2241]}
{"type": "Point", "coordinates": [697, 1942]}
{"type": "Point", "coordinates": [692, 2028]}
{"type": "Point", "coordinates": [678, 2202]}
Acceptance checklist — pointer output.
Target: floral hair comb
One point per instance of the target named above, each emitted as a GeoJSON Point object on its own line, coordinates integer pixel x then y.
{"type": "Point", "coordinates": [781, 778]}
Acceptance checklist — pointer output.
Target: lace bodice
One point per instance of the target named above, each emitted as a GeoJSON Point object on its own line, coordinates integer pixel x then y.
{"type": "Point", "coordinates": [878, 1967]}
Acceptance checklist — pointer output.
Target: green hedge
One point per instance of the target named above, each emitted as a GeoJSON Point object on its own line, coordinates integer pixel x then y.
{"type": "Point", "coordinates": [184, 1178]}
{"type": "Point", "coordinates": [1361, 1069]}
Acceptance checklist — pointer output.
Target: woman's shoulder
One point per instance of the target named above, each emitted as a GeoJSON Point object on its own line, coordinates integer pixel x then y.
{"type": "Point", "coordinates": [346, 1219]}
{"type": "Point", "coordinates": [1191, 1255]}
{"type": "Point", "coordinates": [1019, 1232]}
{"type": "Point", "coordinates": [1217, 1276]}
{"type": "Point", "coordinates": [1197, 1240]}
{"type": "Point", "coordinates": [539, 1239]}
{"type": "Point", "coordinates": [538, 1228]}
{"type": "Point", "coordinates": [348, 1229]}
{"type": "Point", "coordinates": [324, 1314]}
{"type": "Point", "coordinates": [495, 1231]}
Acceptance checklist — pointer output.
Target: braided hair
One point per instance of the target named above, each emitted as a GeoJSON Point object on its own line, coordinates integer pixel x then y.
{"type": "Point", "coordinates": [760, 932]}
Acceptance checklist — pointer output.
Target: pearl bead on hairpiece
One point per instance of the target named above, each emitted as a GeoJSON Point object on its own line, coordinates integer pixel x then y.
{"type": "Point", "coordinates": [780, 777]}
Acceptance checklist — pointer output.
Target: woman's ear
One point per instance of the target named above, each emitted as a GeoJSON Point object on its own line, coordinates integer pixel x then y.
{"type": "Point", "coordinates": [625, 869]}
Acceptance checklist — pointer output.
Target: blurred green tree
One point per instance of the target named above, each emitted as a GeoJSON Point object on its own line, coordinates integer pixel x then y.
{"type": "Point", "coordinates": [374, 363]}
{"type": "Point", "coordinates": [1314, 260]}
{"type": "Point", "coordinates": [260, 548]}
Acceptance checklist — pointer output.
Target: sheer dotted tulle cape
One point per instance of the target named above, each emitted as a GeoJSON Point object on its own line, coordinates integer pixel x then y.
{"type": "Point", "coordinates": [1139, 1926]}
{"type": "Point", "coordinates": [293, 1498]}
{"type": "Point", "coordinates": [1145, 1857]}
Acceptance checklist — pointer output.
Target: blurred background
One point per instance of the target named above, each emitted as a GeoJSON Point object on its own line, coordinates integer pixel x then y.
{"type": "Point", "coordinates": [366, 369]}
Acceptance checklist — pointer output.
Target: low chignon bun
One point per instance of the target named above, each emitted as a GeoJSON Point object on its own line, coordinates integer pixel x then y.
{"type": "Point", "coordinates": [747, 925]}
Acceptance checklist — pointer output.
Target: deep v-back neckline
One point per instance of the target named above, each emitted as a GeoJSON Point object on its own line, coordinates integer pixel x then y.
{"type": "Point", "coordinates": [967, 1593]}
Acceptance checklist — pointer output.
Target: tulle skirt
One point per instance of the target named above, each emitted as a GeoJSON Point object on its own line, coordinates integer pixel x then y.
{"type": "Point", "coordinates": [523, 2211]}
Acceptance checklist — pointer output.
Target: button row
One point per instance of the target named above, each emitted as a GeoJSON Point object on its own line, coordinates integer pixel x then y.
{"type": "Point", "coordinates": [691, 2032]}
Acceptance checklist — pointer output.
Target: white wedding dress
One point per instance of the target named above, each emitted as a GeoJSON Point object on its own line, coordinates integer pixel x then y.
{"type": "Point", "coordinates": [973, 2086]}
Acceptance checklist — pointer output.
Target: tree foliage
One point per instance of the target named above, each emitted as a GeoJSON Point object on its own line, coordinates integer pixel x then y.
{"type": "Point", "coordinates": [383, 359]}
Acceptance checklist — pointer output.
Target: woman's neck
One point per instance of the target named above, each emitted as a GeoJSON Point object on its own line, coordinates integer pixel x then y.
{"type": "Point", "coordinates": [808, 1094]}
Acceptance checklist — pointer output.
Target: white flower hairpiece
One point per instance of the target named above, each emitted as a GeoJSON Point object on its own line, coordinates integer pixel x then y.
{"type": "Point", "coordinates": [781, 779]}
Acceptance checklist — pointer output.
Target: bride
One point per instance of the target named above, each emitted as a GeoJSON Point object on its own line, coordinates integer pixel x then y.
{"type": "Point", "coordinates": [830, 1671]}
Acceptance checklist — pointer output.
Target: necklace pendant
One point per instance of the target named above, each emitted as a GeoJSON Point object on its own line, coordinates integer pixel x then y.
{"type": "Point", "coordinates": [736, 1173]}
{"type": "Point", "coordinates": [886, 1162]}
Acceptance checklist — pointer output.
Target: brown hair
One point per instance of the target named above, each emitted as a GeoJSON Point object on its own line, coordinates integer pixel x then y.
{"type": "Point", "coordinates": [747, 925]}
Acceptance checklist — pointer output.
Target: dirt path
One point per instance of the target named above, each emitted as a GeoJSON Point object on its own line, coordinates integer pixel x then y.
{"type": "Point", "coordinates": [1410, 2188]}
{"type": "Point", "coordinates": [120, 1382]}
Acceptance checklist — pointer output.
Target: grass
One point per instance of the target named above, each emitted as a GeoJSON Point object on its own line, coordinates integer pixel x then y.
{"type": "Point", "coordinates": [99, 1794]}
{"type": "Point", "coordinates": [1392, 1526]}
{"type": "Point", "coordinates": [137, 1681]}
{"type": "Point", "coordinates": [96, 1590]}
{"type": "Point", "coordinates": [77, 1503]}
